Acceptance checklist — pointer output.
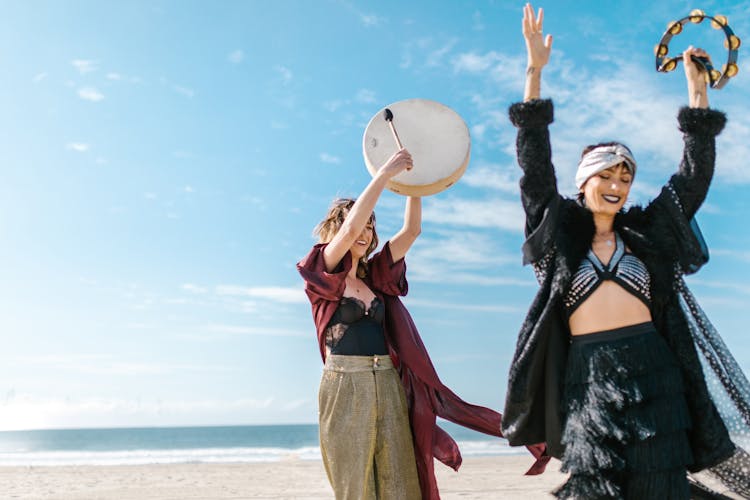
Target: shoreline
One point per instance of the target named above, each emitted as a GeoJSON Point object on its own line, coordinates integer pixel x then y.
{"type": "Point", "coordinates": [480, 478]}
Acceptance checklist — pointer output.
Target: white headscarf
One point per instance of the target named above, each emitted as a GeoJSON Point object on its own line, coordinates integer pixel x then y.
{"type": "Point", "coordinates": [602, 158]}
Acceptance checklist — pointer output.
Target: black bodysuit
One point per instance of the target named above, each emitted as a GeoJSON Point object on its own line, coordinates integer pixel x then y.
{"type": "Point", "coordinates": [355, 330]}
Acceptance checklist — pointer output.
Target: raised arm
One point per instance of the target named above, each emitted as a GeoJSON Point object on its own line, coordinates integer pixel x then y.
{"type": "Point", "coordinates": [699, 126]}
{"type": "Point", "coordinates": [532, 117]}
{"type": "Point", "coordinates": [359, 215]}
{"type": "Point", "coordinates": [403, 240]}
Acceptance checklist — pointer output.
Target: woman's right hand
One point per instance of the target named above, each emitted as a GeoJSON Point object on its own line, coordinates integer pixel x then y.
{"type": "Point", "coordinates": [538, 48]}
{"type": "Point", "coordinates": [400, 161]}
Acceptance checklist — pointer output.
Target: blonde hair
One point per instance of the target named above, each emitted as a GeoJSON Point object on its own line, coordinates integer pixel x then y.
{"type": "Point", "coordinates": [328, 227]}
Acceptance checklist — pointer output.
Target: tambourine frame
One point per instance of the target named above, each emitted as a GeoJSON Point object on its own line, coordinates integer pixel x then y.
{"type": "Point", "coordinates": [717, 79]}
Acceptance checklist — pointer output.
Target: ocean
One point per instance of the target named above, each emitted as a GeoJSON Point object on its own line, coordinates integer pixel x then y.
{"type": "Point", "coordinates": [168, 445]}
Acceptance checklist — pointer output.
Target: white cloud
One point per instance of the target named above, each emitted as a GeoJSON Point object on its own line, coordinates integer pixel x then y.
{"type": "Point", "coordinates": [285, 295]}
{"type": "Point", "coordinates": [39, 77]}
{"type": "Point", "coordinates": [435, 57]}
{"type": "Point", "coordinates": [366, 96]}
{"type": "Point", "coordinates": [189, 287]}
{"type": "Point", "coordinates": [332, 106]}
{"type": "Point", "coordinates": [503, 179]}
{"type": "Point", "coordinates": [496, 308]}
{"type": "Point", "coordinates": [477, 25]}
{"type": "Point", "coordinates": [328, 158]}
{"type": "Point", "coordinates": [370, 19]}
{"type": "Point", "coordinates": [285, 74]}
{"type": "Point", "coordinates": [464, 256]}
{"type": "Point", "coordinates": [111, 365]}
{"type": "Point", "coordinates": [236, 56]}
{"type": "Point", "coordinates": [187, 92]}
{"type": "Point", "coordinates": [80, 147]}
{"type": "Point", "coordinates": [189, 189]}
{"type": "Point", "coordinates": [28, 411]}
{"type": "Point", "coordinates": [90, 94]}
{"type": "Point", "coordinates": [427, 51]}
{"type": "Point", "coordinates": [743, 288]}
{"type": "Point", "coordinates": [84, 65]}
{"type": "Point", "coordinates": [114, 76]}
{"type": "Point", "coordinates": [496, 213]}
{"type": "Point", "coordinates": [256, 330]}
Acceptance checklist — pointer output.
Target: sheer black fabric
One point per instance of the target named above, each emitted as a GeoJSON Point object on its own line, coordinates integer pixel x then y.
{"type": "Point", "coordinates": [730, 391]}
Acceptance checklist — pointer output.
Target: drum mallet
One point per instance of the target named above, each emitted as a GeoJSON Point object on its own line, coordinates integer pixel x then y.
{"type": "Point", "coordinates": [388, 115]}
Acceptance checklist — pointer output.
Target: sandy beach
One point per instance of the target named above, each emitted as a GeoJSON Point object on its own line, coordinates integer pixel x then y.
{"type": "Point", "coordinates": [479, 478]}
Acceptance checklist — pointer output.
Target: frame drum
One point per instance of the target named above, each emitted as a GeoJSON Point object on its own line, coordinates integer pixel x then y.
{"type": "Point", "coordinates": [435, 135]}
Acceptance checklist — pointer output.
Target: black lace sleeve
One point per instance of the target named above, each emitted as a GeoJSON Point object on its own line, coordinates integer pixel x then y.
{"type": "Point", "coordinates": [538, 184]}
{"type": "Point", "coordinates": [700, 128]}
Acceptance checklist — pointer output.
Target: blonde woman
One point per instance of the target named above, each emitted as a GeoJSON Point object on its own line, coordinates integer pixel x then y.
{"type": "Point", "coordinates": [379, 394]}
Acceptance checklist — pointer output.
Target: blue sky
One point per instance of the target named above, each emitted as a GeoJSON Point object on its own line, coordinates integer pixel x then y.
{"type": "Point", "coordinates": [164, 163]}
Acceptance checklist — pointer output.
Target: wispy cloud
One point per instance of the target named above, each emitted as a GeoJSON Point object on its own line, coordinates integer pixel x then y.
{"type": "Point", "coordinates": [28, 411]}
{"type": "Point", "coordinates": [464, 256]}
{"type": "Point", "coordinates": [491, 176]}
{"type": "Point", "coordinates": [370, 19]}
{"type": "Point", "coordinates": [477, 25]}
{"type": "Point", "coordinates": [426, 53]}
{"type": "Point", "coordinates": [112, 365]}
{"type": "Point", "coordinates": [84, 65]}
{"type": "Point", "coordinates": [733, 254]}
{"type": "Point", "coordinates": [189, 287]}
{"type": "Point", "coordinates": [285, 74]}
{"type": "Point", "coordinates": [114, 76]}
{"type": "Point", "coordinates": [367, 19]}
{"type": "Point", "coordinates": [39, 77]}
{"type": "Point", "coordinates": [328, 158]}
{"type": "Point", "coordinates": [90, 94]}
{"type": "Point", "coordinates": [79, 147]}
{"type": "Point", "coordinates": [186, 91]}
{"type": "Point", "coordinates": [743, 288]}
{"type": "Point", "coordinates": [236, 56]}
{"type": "Point", "coordinates": [455, 306]}
{"type": "Point", "coordinates": [286, 295]}
{"type": "Point", "coordinates": [436, 57]}
{"type": "Point", "coordinates": [366, 96]}
{"type": "Point", "coordinates": [255, 330]}
{"type": "Point", "coordinates": [494, 213]}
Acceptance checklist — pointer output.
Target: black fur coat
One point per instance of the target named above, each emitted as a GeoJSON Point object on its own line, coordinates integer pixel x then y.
{"type": "Point", "coordinates": [559, 234]}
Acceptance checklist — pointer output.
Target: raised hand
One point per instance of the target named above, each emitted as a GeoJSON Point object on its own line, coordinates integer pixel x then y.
{"type": "Point", "coordinates": [696, 77]}
{"type": "Point", "coordinates": [538, 47]}
{"type": "Point", "coordinates": [397, 163]}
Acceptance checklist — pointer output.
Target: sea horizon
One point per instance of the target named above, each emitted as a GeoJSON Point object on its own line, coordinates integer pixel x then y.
{"type": "Point", "coordinates": [192, 444]}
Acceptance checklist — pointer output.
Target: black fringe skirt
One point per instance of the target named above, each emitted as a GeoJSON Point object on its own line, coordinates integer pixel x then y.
{"type": "Point", "coordinates": [626, 418]}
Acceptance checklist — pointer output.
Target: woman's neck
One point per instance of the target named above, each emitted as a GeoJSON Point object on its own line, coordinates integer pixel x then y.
{"type": "Point", "coordinates": [603, 224]}
{"type": "Point", "coordinates": [352, 274]}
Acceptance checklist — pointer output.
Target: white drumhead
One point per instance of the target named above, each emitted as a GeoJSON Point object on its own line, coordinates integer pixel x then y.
{"type": "Point", "coordinates": [435, 135]}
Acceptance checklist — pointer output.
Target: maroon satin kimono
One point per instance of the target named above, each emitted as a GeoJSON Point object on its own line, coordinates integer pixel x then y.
{"type": "Point", "coordinates": [426, 395]}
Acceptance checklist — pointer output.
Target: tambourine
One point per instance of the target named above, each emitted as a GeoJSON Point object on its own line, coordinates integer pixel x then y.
{"type": "Point", "coordinates": [717, 79]}
{"type": "Point", "coordinates": [435, 135]}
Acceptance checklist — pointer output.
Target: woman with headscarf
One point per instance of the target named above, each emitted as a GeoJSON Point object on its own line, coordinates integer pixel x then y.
{"type": "Point", "coordinates": [606, 369]}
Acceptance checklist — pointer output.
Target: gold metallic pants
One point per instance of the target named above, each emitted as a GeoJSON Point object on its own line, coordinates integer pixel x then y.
{"type": "Point", "coordinates": [365, 436]}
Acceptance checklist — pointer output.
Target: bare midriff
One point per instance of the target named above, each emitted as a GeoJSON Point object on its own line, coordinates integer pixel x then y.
{"type": "Point", "coordinates": [610, 306]}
